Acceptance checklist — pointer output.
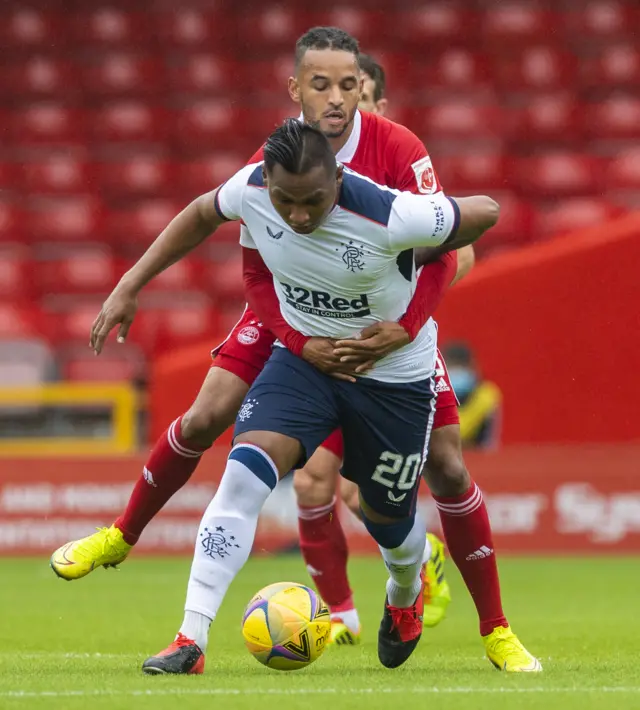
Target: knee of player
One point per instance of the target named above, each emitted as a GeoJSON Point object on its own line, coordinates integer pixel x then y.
{"type": "Point", "coordinates": [351, 498]}
{"type": "Point", "coordinates": [446, 473]}
{"type": "Point", "coordinates": [202, 426]}
{"type": "Point", "coordinates": [312, 488]}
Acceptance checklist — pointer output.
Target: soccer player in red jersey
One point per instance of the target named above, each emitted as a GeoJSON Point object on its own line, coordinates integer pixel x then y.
{"type": "Point", "coordinates": [327, 86]}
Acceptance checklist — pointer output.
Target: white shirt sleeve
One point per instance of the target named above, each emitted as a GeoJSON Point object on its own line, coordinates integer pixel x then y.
{"type": "Point", "coordinates": [422, 220]}
{"type": "Point", "coordinates": [246, 240]}
{"type": "Point", "coordinates": [230, 195]}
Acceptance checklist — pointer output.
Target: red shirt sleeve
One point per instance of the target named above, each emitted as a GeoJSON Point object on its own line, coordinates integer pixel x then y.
{"type": "Point", "coordinates": [411, 165]}
{"type": "Point", "coordinates": [263, 301]}
{"type": "Point", "coordinates": [434, 279]}
{"type": "Point", "coordinates": [413, 171]}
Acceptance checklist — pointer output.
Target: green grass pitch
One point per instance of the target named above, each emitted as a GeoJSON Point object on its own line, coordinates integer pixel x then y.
{"type": "Point", "coordinates": [80, 644]}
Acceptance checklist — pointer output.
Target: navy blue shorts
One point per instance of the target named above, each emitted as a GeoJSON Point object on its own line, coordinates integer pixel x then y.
{"type": "Point", "coordinates": [386, 427]}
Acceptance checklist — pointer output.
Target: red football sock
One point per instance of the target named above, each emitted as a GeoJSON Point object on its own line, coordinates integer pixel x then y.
{"type": "Point", "coordinates": [324, 549]}
{"type": "Point", "coordinates": [467, 532]}
{"type": "Point", "coordinates": [169, 466]}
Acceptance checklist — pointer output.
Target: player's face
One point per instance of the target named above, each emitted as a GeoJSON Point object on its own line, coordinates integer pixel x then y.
{"type": "Point", "coordinates": [327, 87]}
{"type": "Point", "coordinates": [303, 201]}
{"type": "Point", "coordinates": [367, 101]}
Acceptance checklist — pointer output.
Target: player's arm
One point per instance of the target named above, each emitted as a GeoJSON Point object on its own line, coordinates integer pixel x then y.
{"type": "Point", "coordinates": [263, 301]}
{"type": "Point", "coordinates": [439, 222]}
{"type": "Point", "coordinates": [465, 260]}
{"type": "Point", "coordinates": [184, 233]}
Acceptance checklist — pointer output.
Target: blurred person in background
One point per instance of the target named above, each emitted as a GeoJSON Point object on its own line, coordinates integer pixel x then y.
{"type": "Point", "coordinates": [480, 400]}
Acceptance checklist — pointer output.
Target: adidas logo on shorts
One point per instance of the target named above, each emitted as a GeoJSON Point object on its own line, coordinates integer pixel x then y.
{"type": "Point", "coordinates": [480, 554]}
{"type": "Point", "coordinates": [442, 386]}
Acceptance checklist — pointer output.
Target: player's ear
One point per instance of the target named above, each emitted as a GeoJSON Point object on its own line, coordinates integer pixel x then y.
{"type": "Point", "coordinates": [264, 175]}
{"type": "Point", "coordinates": [381, 105]}
{"type": "Point", "coordinates": [339, 174]}
{"type": "Point", "coordinates": [294, 89]}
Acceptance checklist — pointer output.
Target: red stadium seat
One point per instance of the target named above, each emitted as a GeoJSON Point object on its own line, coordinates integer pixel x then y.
{"type": "Point", "coordinates": [551, 117]}
{"type": "Point", "coordinates": [207, 125]}
{"type": "Point", "coordinates": [459, 119]}
{"type": "Point", "coordinates": [203, 175]}
{"type": "Point", "coordinates": [624, 171]}
{"type": "Point", "coordinates": [192, 27]}
{"type": "Point", "coordinates": [110, 26]}
{"type": "Point", "coordinates": [534, 68]}
{"type": "Point", "coordinates": [11, 223]}
{"type": "Point", "coordinates": [371, 27]}
{"type": "Point", "coordinates": [515, 23]}
{"type": "Point", "coordinates": [574, 214]}
{"type": "Point", "coordinates": [455, 68]}
{"type": "Point", "coordinates": [183, 276]}
{"type": "Point", "coordinates": [123, 74]}
{"type": "Point", "coordinates": [86, 271]}
{"type": "Point", "coordinates": [51, 124]}
{"type": "Point", "coordinates": [117, 363]}
{"type": "Point", "coordinates": [558, 174]}
{"type": "Point", "coordinates": [182, 323]}
{"type": "Point", "coordinates": [20, 321]}
{"type": "Point", "coordinates": [617, 117]}
{"type": "Point", "coordinates": [473, 172]}
{"type": "Point", "coordinates": [40, 76]}
{"type": "Point", "coordinates": [58, 173]}
{"type": "Point", "coordinates": [618, 65]}
{"type": "Point", "coordinates": [205, 74]}
{"type": "Point", "coordinates": [514, 226]}
{"type": "Point", "coordinates": [602, 19]}
{"type": "Point", "coordinates": [130, 122]}
{"type": "Point", "coordinates": [138, 226]}
{"type": "Point", "coordinates": [271, 27]}
{"type": "Point", "coordinates": [434, 25]}
{"type": "Point", "coordinates": [64, 219]}
{"type": "Point", "coordinates": [16, 273]}
{"type": "Point", "coordinates": [139, 175]}
{"type": "Point", "coordinates": [26, 29]}
{"type": "Point", "coordinates": [225, 277]}
{"type": "Point", "coordinates": [73, 324]}
{"type": "Point", "coordinates": [9, 172]}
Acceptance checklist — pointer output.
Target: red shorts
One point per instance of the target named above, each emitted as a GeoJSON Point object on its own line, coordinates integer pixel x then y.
{"type": "Point", "coordinates": [248, 347]}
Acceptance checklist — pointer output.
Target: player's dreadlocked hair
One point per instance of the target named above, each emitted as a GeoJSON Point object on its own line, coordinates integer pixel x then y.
{"type": "Point", "coordinates": [298, 148]}
{"type": "Point", "coordinates": [369, 66]}
{"type": "Point", "coordinates": [326, 38]}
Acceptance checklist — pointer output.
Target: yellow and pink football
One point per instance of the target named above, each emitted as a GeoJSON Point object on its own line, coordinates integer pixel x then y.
{"type": "Point", "coordinates": [286, 626]}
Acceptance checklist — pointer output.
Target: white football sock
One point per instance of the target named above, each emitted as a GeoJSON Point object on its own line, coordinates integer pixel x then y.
{"type": "Point", "coordinates": [226, 535]}
{"type": "Point", "coordinates": [349, 618]}
{"type": "Point", "coordinates": [404, 564]}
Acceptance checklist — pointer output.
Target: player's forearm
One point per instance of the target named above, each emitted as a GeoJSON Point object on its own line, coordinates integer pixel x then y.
{"type": "Point", "coordinates": [263, 301]}
{"type": "Point", "coordinates": [433, 282]}
{"type": "Point", "coordinates": [183, 234]}
{"type": "Point", "coordinates": [477, 214]}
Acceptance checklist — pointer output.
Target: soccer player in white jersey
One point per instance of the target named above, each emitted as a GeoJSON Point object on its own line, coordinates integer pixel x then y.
{"type": "Point", "coordinates": [335, 269]}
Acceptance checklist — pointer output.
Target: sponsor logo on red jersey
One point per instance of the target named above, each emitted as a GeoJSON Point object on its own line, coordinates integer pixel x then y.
{"type": "Point", "coordinates": [425, 176]}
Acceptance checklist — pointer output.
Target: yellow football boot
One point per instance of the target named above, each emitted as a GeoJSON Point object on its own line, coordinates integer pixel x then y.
{"type": "Point", "coordinates": [506, 652]}
{"type": "Point", "coordinates": [437, 595]}
{"type": "Point", "coordinates": [342, 635]}
{"type": "Point", "coordinates": [105, 548]}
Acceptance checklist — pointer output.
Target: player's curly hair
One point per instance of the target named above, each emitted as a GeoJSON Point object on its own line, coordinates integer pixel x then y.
{"type": "Point", "coordinates": [326, 38]}
{"type": "Point", "coordinates": [298, 148]}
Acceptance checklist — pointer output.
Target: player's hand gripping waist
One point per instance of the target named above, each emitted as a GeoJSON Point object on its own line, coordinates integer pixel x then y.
{"type": "Point", "coordinates": [375, 342]}
{"type": "Point", "coordinates": [319, 352]}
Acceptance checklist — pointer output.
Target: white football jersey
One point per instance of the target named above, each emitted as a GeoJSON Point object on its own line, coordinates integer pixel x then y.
{"type": "Point", "coordinates": [356, 269]}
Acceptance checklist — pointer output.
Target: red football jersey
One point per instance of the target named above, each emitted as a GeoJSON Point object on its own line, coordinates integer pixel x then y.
{"type": "Point", "coordinates": [386, 153]}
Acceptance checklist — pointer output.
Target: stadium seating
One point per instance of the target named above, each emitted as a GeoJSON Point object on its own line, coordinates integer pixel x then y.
{"type": "Point", "coordinates": [115, 115]}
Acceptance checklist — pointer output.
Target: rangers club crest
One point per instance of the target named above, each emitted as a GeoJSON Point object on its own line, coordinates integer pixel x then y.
{"type": "Point", "coordinates": [425, 176]}
{"type": "Point", "coordinates": [248, 335]}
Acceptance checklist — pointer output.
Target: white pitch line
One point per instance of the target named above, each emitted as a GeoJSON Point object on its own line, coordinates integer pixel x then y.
{"type": "Point", "coordinates": [43, 655]}
{"type": "Point", "coordinates": [308, 691]}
